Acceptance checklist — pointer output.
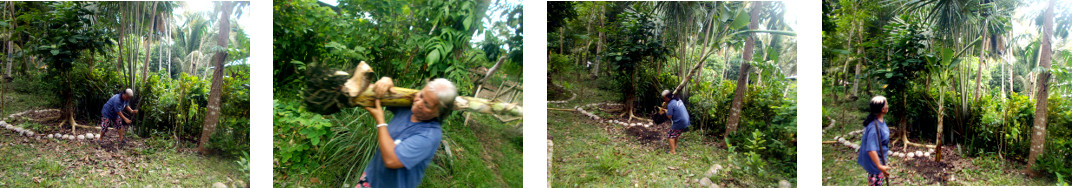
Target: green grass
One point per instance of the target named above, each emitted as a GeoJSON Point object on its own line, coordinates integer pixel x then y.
{"type": "Point", "coordinates": [18, 98]}
{"type": "Point", "coordinates": [55, 163]}
{"type": "Point", "coordinates": [589, 153]}
{"type": "Point", "coordinates": [487, 153]}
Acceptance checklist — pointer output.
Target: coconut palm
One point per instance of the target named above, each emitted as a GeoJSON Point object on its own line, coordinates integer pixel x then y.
{"type": "Point", "coordinates": [213, 111]}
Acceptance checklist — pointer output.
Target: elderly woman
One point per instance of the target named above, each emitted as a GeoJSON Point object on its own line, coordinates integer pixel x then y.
{"type": "Point", "coordinates": [675, 111]}
{"type": "Point", "coordinates": [112, 114]}
{"type": "Point", "coordinates": [408, 142]}
{"type": "Point", "coordinates": [876, 143]}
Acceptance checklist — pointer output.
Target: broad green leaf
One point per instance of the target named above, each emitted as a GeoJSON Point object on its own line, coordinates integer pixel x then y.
{"type": "Point", "coordinates": [433, 57]}
{"type": "Point", "coordinates": [741, 20]}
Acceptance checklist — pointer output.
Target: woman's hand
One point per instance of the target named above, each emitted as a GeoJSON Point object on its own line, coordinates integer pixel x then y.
{"type": "Point", "coordinates": [376, 112]}
{"type": "Point", "coordinates": [885, 170]}
{"type": "Point", "coordinates": [383, 87]}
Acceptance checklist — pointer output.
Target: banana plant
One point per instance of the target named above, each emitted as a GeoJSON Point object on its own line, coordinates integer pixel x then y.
{"type": "Point", "coordinates": [330, 91]}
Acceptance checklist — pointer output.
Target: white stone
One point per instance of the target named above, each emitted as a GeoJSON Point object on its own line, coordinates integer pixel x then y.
{"type": "Point", "coordinates": [81, 137]}
{"type": "Point", "coordinates": [911, 155]}
{"type": "Point", "coordinates": [784, 184]}
{"type": "Point", "coordinates": [926, 154]}
{"type": "Point", "coordinates": [919, 153]}
{"type": "Point", "coordinates": [31, 133]}
{"type": "Point", "coordinates": [49, 136]}
{"type": "Point", "coordinates": [705, 182]}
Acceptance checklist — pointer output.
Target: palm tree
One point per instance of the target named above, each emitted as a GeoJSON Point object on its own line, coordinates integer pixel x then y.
{"type": "Point", "coordinates": [1038, 139]}
{"type": "Point", "coordinates": [213, 110]}
{"type": "Point", "coordinates": [742, 78]}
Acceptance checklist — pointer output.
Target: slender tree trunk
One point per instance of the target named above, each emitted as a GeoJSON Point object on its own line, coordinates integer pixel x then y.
{"type": "Point", "coordinates": [561, 36]}
{"type": "Point", "coordinates": [10, 42]}
{"type": "Point", "coordinates": [941, 121]}
{"type": "Point", "coordinates": [1038, 138]}
{"type": "Point", "coordinates": [700, 62]}
{"type": "Point", "coordinates": [742, 79]}
{"type": "Point", "coordinates": [982, 60]}
{"type": "Point", "coordinates": [213, 111]}
{"type": "Point", "coordinates": [169, 51]}
{"type": "Point", "coordinates": [149, 43]}
{"type": "Point", "coordinates": [122, 32]}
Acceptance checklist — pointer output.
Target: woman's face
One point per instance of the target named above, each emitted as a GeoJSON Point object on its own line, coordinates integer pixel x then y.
{"type": "Point", "coordinates": [885, 108]}
{"type": "Point", "coordinates": [425, 105]}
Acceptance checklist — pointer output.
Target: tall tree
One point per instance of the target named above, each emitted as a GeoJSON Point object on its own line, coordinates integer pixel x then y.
{"type": "Point", "coordinates": [1038, 138]}
{"type": "Point", "coordinates": [212, 114]}
{"type": "Point", "coordinates": [742, 78]}
{"type": "Point", "coordinates": [149, 41]}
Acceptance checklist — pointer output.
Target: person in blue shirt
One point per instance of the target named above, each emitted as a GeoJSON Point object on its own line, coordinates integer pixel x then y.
{"type": "Point", "coordinates": [112, 113]}
{"type": "Point", "coordinates": [408, 142]}
{"type": "Point", "coordinates": [875, 144]}
{"type": "Point", "coordinates": [675, 111]}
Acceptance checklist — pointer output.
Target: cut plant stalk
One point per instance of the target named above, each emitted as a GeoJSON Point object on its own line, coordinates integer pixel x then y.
{"type": "Point", "coordinates": [338, 90]}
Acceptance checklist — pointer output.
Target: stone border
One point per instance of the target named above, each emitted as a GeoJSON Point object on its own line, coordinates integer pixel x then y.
{"type": "Point", "coordinates": [20, 114]}
{"type": "Point", "coordinates": [614, 121]}
{"type": "Point", "coordinates": [909, 155]}
{"type": "Point", "coordinates": [30, 133]}
{"type": "Point", "coordinates": [573, 95]}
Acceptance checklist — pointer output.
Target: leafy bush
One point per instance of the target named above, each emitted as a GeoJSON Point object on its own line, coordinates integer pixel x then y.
{"type": "Point", "coordinates": [298, 135]}
{"type": "Point", "coordinates": [1057, 157]}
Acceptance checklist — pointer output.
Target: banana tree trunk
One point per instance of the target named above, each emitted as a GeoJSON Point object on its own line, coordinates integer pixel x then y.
{"type": "Point", "coordinates": [336, 91]}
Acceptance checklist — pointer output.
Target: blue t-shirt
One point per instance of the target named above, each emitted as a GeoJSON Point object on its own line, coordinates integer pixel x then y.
{"type": "Point", "coordinates": [114, 105]}
{"type": "Point", "coordinates": [678, 114]}
{"type": "Point", "coordinates": [416, 143]}
{"type": "Point", "coordinates": [869, 143]}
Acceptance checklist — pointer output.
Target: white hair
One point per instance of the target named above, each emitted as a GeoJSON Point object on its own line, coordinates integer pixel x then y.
{"type": "Point", "coordinates": [130, 92]}
{"type": "Point", "coordinates": [878, 99]}
{"type": "Point", "coordinates": [666, 93]}
{"type": "Point", "coordinates": [445, 92]}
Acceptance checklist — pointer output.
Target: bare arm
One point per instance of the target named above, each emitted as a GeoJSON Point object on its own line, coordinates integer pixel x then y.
{"type": "Point", "coordinates": [386, 143]}
{"type": "Point", "coordinates": [878, 163]}
{"type": "Point", "coordinates": [123, 117]}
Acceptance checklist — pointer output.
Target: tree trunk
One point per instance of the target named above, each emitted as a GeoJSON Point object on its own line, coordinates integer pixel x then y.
{"type": "Point", "coordinates": [149, 42]}
{"type": "Point", "coordinates": [213, 110]}
{"type": "Point", "coordinates": [491, 71]}
{"type": "Point", "coordinates": [169, 52]}
{"type": "Point", "coordinates": [1038, 138]}
{"type": "Point", "coordinates": [354, 92]}
{"type": "Point", "coordinates": [982, 59]}
{"type": "Point", "coordinates": [599, 45]}
{"type": "Point", "coordinates": [742, 79]}
{"type": "Point", "coordinates": [561, 36]}
{"type": "Point", "coordinates": [700, 62]}
{"type": "Point", "coordinates": [122, 32]}
{"type": "Point", "coordinates": [941, 117]}
{"type": "Point", "coordinates": [1002, 63]}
